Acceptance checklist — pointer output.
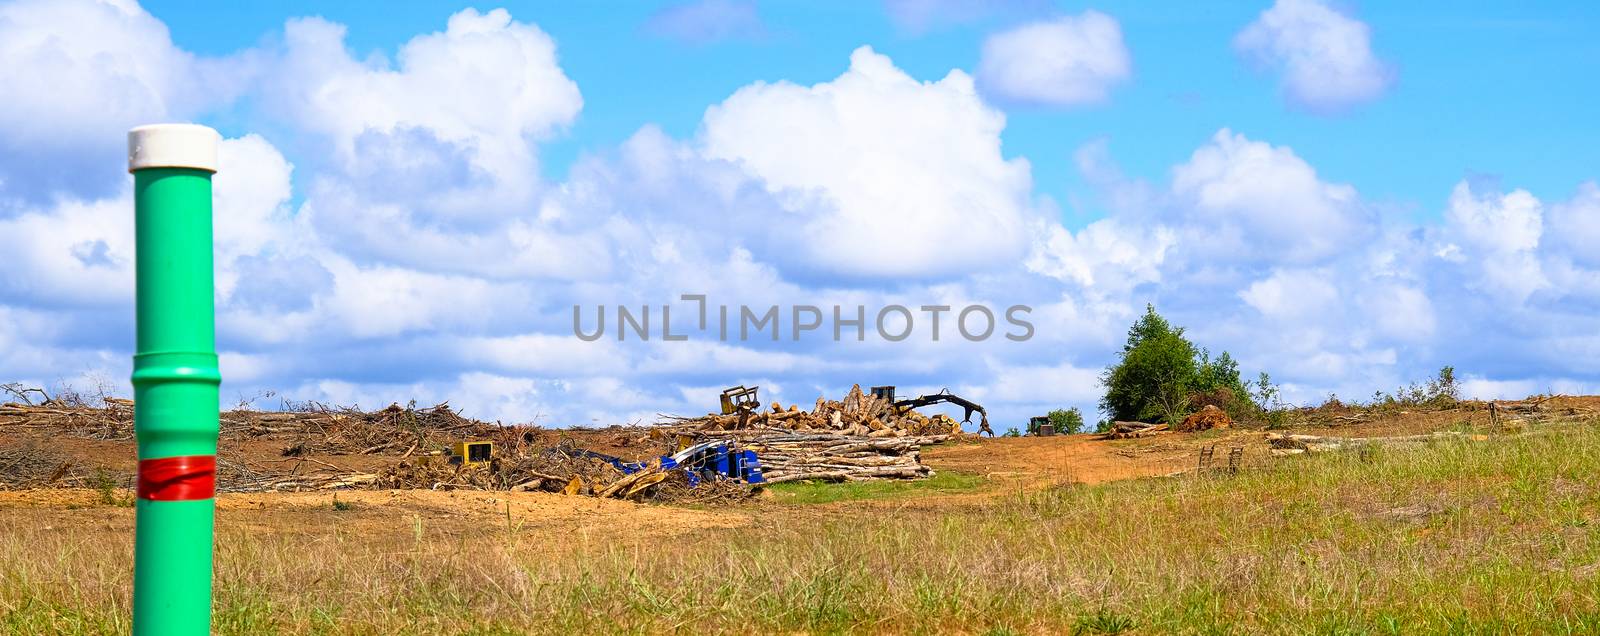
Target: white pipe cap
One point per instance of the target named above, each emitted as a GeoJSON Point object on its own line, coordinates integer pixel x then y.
{"type": "Point", "coordinates": [173, 146]}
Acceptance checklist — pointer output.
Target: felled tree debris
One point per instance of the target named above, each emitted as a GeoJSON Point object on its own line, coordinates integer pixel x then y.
{"type": "Point", "coordinates": [32, 466]}
{"type": "Point", "coordinates": [114, 421]}
{"type": "Point", "coordinates": [561, 469]}
{"type": "Point", "coordinates": [394, 430]}
{"type": "Point", "coordinates": [418, 438]}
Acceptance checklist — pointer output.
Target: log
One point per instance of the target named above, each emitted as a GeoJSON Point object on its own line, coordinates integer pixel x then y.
{"type": "Point", "coordinates": [842, 475]}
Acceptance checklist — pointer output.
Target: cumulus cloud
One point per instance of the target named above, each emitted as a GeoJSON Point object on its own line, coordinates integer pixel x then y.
{"type": "Point", "coordinates": [80, 73]}
{"type": "Point", "coordinates": [1496, 235]}
{"type": "Point", "coordinates": [1108, 257]}
{"type": "Point", "coordinates": [78, 254]}
{"type": "Point", "coordinates": [1575, 224]}
{"type": "Point", "coordinates": [707, 21]}
{"type": "Point", "coordinates": [1067, 61]}
{"type": "Point", "coordinates": [475, 94]}
{"type": "Point", "coordinates": [1252, 200]}
{"type": "Point", "coordinates": [434, 156]}
{"type": "Point", "coordinates": [1325, 56]}
{"type": "Point", "coordinates": [875, 165]}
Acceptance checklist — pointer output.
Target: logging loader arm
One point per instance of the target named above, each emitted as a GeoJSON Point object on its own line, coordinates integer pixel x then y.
{"type": "Point", "coordinates": [946, 396]}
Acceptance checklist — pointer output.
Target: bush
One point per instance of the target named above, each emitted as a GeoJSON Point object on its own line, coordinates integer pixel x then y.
{"type": "Point", "coordinates": [1066, 421]}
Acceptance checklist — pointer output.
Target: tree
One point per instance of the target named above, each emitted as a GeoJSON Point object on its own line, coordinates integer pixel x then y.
{"type": "Point", "coordinates": [1066, 421]}
{"type": "Point", "coordinates": [1155, 374]}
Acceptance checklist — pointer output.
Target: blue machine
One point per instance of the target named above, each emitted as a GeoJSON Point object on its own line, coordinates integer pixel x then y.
{"type": "Point", "coordinates": [719, 459]}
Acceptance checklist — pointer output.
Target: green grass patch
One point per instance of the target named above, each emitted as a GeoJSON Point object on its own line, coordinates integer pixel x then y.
{"type": "Point", "coordinates": [817, 492]}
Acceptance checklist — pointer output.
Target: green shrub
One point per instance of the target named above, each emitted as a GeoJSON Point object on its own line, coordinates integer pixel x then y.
{"type": "Point", "coordinates": [1066, 421]}
{"type": "Point", "coordinates": [105, 487]}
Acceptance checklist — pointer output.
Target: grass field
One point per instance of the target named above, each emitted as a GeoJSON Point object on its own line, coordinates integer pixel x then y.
{"type": "Point", "coordinates": [1457, 537]}
{"type": "Point", "coordinates": [947, 482]}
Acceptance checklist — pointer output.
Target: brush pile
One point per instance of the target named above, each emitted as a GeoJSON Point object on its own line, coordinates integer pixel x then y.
{"type": "Point", "coordinates": [394, 430]}
{"type": "Point", "coordinates": [112, 422]}
{"type": "Point", "coordinates": [297, 476]}
{"type": "Point", "coordinates": [560, 468]}
{"type": "Point", "coordinates": [31, 466]}
{"type": "Point", "coordinates": [859, 414]}
{"type": "Point", "coordinates": [1205, 419]}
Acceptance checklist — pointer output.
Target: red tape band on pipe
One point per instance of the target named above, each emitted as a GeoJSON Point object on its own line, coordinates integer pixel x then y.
{"type": "Point", "coordinates": [178, 478]}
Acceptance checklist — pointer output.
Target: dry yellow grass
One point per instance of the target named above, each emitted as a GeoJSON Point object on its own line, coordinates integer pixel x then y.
{"type": "Point", "coordinates": [1452, 537]}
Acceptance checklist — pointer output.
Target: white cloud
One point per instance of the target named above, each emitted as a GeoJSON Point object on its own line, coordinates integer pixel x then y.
{"type": "Point", "coordinates": [1292, 295]}
{"type": "Point", "coordinates": [1482, 388]}
{"type": "Point", "coordinates": [1249, 200]}
{"type": "Point", "coordinates": [77, 254]}
{"type": "Point", "coordinates": [1496, 235]}
{"type": "Point", "coordinates": [707, 21]}
{"type": "Point", "coordinates": [1051, 386]}
{"type": "Point", "coordinates": [251, 211]}
{"type": "Point", "coordinates": [1066, 61]}
{"type": "Point", "coordinates": [1326, 56]}
{"type": "Point", "coordinates": [1400, 312]}
{"type": "Point", "coordinates": [434, 163]}
{"type": "Point", "coordinates": [1575, 224]}
{"type": "Point", "coordinates": [380, 302]}
{"type": "Point", "coordinates": [1107, 256]}
{"type": "Point", "coordinates": [80, 73]}
{"type": "Point", "coordinates": [874, 167]}
{"type": "Point", "coordinates": [476, 94]}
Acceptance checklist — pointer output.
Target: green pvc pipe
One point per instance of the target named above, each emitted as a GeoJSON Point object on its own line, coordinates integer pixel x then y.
{"type": "Point", "coordinates": [175, 377]}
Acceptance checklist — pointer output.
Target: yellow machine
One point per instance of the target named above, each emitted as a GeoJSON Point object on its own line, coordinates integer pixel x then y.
{"type": "Point", "coordinates": [472, 453]}
{"type": "Point", "coordinates": [740, 398]}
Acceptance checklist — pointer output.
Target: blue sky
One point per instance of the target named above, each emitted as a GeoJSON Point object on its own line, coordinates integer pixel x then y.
{"type": "Point", "coordinates": [1346, 195]}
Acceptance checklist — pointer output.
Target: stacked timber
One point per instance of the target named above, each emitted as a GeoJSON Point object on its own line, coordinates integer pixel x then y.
{"type": "Point", "coordinates": [829, 457]}
{"type": "Point", "coordinates": [1124, 430]}
{"type": "Point", "coordinates": [859, 414]}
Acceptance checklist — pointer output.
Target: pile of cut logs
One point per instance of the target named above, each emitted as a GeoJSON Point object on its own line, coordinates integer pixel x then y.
{"type": "Point", "coordinates": [839, 458]}
{"type": "Point", "coordinates": [858, 414]}
{"type": "Point", "coordinates": [1124, 430]}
